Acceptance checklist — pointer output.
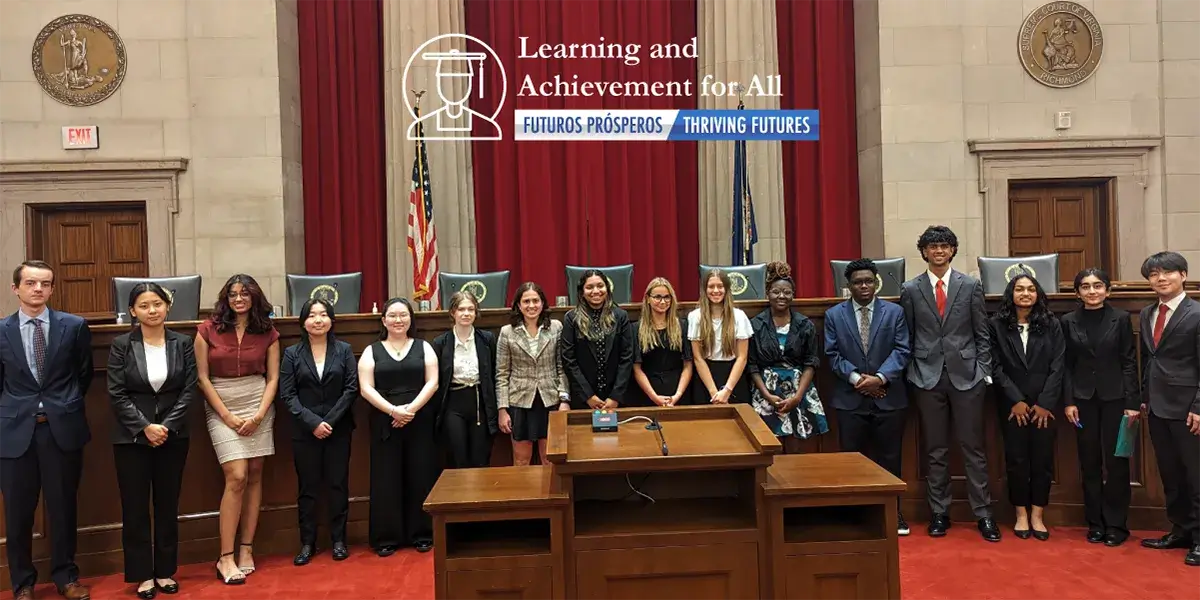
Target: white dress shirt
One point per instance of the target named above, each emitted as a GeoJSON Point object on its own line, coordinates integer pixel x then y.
{"type": "Point", "coordinates": [1172, 308]}
{"type": "Point", "coordinates": [156, 365]}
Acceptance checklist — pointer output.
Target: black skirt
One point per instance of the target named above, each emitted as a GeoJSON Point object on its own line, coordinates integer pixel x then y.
{"type": "Point", "coordinates": [530, 424]}
{"type": "Point", "coordinates": [720, 370]}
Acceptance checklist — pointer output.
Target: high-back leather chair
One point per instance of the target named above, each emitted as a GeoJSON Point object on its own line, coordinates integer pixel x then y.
{"type": "Point", "coordinates": [343, 291]}
{"type": "Point", "coordinates": [489, 289]}
{"type": "Point", "coordinates": [183, 289]}
{"type": "Point", "coordinates": [746, 282]}
{"type": "Point", "coordinates": [888, 283]}
{"type": "Point", "coordinates": [996, 271]}
{"type": "Point", "coordinates": [620, 282]}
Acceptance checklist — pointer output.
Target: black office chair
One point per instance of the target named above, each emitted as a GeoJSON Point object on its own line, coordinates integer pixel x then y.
{"type": "Point", "coordinates": [343, 291]}
{"type": "Point", "coordinates": [746, 282]}
{"type": "Point", "coordinates": [620, 282]}
{"type": "Point", "coordinates": [888, 283]}
{"type": "Point", "coordinates": [184, 291]}
{"type": "Point", "coordinates": [996, 271]}
{"type": "Point", "coordinates": [490, 289]}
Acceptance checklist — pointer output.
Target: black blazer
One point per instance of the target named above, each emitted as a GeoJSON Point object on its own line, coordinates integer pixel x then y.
{"type": "Point", "coordinates": [485, 351]}
{"type": "Point", "coordinates": [1104, 369]}
{"type": "Point", "coordinates": [311, 399]}
{"type": "Point", "coordinates": [1172, 369]}
{"type": "Point", "coordinates": [799, 349]}
{"type": "Point", "coordinates": [135, 404]}
{"type": "Point", "coordinates": [1034, 376]}
{"type": "Point", "coordinates": [582, 368]}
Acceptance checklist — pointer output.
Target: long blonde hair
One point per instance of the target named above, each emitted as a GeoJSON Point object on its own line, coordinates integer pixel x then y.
{"type": "Point", "coordinates": [648, 338]}
{"type": "Point", "coordinates": [707, 330]}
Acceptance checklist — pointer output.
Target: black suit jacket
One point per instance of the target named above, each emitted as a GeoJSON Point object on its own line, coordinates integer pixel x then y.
{"type": "Point", "coordinates": [1103, 369]}
{"type": "Point", "coordinates": [135, 404]}
{"type": "Point", "coordinates": [582, 368]}
{"type": "Point", "coordinates": [61, 390]}
{"type": "Point", "coordinates": [1171, 371]}
{"type": "Point", "coordinates": [1033, 375]}
{"type": "Point", "coordinates": [313, 399]}
{"type": "Point", "coordinates": [485, 351]}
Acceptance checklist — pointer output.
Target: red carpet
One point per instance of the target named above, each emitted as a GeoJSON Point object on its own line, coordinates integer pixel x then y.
{"type": "Point", "coordinates": [960, 566]}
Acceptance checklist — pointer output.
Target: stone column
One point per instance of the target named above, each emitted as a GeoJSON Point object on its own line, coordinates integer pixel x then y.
{"type": "Point", "coordinates": [408, 24]}
{"type": "Point", "coordinates": [737, 40]}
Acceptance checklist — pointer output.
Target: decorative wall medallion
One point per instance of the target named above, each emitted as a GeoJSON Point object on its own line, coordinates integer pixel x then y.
{"type": "Point", "coordinates": [79, 60]}
{"type": "Point", "coordinates": [1060, 44]}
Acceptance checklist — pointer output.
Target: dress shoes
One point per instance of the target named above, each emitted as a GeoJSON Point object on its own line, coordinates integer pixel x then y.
{"type": "Point", "coordinates": [305, 555]}
{"type": "Point", "coordinates": [1193, 557]}
{"type": "Point", "coordinates": [901, 525]}
{"type": "Point", "coordinates": [169, 588]}
{"type": "Point", "coordinates": [988, 529]}
{"type": "Point", "coordinates": [75, 591]}
{"type": "Point", "coordinates": [424, 546]}
{"type": "Point", "coordinates": [25, 593]}
{"type": "Point", "coordinates": [149, 593]}
{"type": "Point", "coordinates": [340, 551]}
{"type": "Point", "coordinates": [1167, 542]}
{"type": "Point", "coordinates": [385, 551]}
{"type": "Point", "coordinates": [939, 525]}
{"type": "Point", "coordinates": [1113, 540]}
{"type": "Point", "coordinates": [1022, 534]}
{"type": "Point", "coordinates": [1041, 536]}
{"type": "Point", "coordinates": [1095, 536]}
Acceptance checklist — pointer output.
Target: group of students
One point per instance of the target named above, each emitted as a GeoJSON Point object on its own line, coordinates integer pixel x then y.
{"type": "Point", "coordinates": [451, 396]}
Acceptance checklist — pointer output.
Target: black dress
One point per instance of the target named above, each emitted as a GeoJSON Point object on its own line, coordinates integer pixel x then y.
{"type": "Point", "coordinates": [662, 365]}
{"type": "Point", "coordinates": [404, 460]}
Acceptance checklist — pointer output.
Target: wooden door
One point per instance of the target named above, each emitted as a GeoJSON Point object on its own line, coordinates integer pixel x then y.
{"type": "Point", "coordinates": [87, 248]}
{"type": "Point", "coordinates": [1063, 219]}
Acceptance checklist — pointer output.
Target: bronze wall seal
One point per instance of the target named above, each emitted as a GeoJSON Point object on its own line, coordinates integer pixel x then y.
{"type": "Point", "coordinates": [1060, 44]}
{"type": "Point", "coordinates": [79, 60]}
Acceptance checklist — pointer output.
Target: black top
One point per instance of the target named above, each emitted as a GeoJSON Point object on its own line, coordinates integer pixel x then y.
{"type": "Point", "coordinates": [313, 399]}
{"type": "Point", "coordinates": [398, 381]}
{"type": "Point", "coordinates": [1101, 361]}
{"type": "Point", "coordinates": [799, 348]}
{"type": "Point", "coordinates": [1032, 374]}
{"type": "Point", "coordinates": [485, 351]}
{"type": "Point", "coordinates": [602, 368]}
{"type": "Point", "coordinates": [662, 365]}
{"type": "Point", "coordinates": [135, 403]}
{"type": "Point", "coordinates": [1094, 322]}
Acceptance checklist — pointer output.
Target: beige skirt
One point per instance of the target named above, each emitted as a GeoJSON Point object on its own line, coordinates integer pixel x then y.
{"type": "Point", "coordinates": [242, 397]}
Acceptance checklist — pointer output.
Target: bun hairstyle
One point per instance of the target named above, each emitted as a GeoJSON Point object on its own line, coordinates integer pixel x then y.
{"type": "Point", "coordinates": [778, 270]}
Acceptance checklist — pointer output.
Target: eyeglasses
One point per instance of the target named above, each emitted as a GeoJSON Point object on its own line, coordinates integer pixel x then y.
{"type": "Point", "coordinates": [658, 298]}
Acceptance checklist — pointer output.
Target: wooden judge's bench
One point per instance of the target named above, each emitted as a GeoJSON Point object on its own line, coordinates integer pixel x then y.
{"type": "Point", "coordinates": [704, 506]}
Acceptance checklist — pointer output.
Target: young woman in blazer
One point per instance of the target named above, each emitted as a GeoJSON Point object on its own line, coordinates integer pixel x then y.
{"type": "Point", "coordinates": [1099, 387]}
{"type": "Point", "coordinates": [318, 383]}
{"type": "Point", "coordinates": [152, 381]}
{"type": "Point", "coordinates": [1027, 344]}
{"type": "Point", "coordinates": [529, 376]}
{"type": "Point", "coordinates": [596, 346]}
{"type": "Point", "coordinates": [662, 355]}
{"type": "Point", "coordinates": [466, 393]}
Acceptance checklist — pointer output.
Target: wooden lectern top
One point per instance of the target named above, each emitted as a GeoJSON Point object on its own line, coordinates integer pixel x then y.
{"type": "Point", "coordinates": [495, 488]}
{"type": "Point", "coordinates": [696, 437]}
{"type": "Point", "coordinates": [847, 473]}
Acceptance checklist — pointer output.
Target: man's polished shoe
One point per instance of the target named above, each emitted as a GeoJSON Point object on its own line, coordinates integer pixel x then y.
{"type": "Point", "coordinates": [340, 551]}
{"type": "Point", "coordinates": [1167, 542]}
{"type": "Point", "coordinates": [901, 525]}
{"type": "Point", "coordinates": [1113, 540]}
{"type": "Point", "coordinates": [75, 591]}
{"type": "Point", "coordinates": [25, 593]}
{"type": "Point", "coordinates": [424, 546]}
{"type": "Point", "coordinates": [305, 555]}
{"type": "Point", "coordinates": [1095, 536]}
{"type": "Point", "coordinates": [988, 529]}
{"type": "Point", "coordinates": [1193, 556]}
{"type": "Point", "coordinates": [939, 524]}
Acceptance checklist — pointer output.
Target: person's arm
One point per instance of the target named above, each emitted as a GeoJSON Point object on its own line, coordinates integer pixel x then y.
{"type": "Point", "coordinates": [124, 410]}
{"type": "Point", "coordinates": [893, 367]}
{"type": "Point", "coordinates": [1128, 356]}
{"type": "Point", "coordinates": [176, 419]}
{"type": "Point", "coordinates": [979, 320]}
{"type": "Point", "coordinates": [1069, 360]}
{"type": "Point", "coordinates": [739, 364]}
{"type": "Point", "coordinates": [685, 377]}
{"type": "Point", "coordinates": [503, 368]}
{"type": "Point", "coordinates": [366, 384]}
{"type": "Point", "coordinates": [431, 380]}
{"type": "Point", "coordinates": [754, 359]}
{"type": "Point", "coordinates": [624, 340]}
{"type": "Point", "coordinates": [83, 358]}
{"type": "Point", "coordinates": [1011, 392]}
{"type": "Point", "coordinates": [841, 367]}
{"type": "Point", "coordinates": [272, 388]}
{"type": "Point", "coordinates": [809, 362]}
{"type": "Point", "coordinates": [567, 340]}
{"type": "Point", "coordinates": [1048, 399]}
{"type": "Point", "coordinates": [288, 392]}
{"type": "Point", "coordinates": [349, 388]}
{"type": "Point", "coordinates": [206, 387]}
{"type": "Point", "coordinates": [640, 377]}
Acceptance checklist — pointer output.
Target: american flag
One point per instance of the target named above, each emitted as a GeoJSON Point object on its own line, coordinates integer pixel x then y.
{"type": "Point", "coordinates": [422, 236]}
{"type": "Point", "coordinates": [745, 230]}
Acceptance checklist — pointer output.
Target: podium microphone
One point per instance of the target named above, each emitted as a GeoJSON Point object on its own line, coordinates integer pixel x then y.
{"type": "Point", "coordinates": [656, 427]}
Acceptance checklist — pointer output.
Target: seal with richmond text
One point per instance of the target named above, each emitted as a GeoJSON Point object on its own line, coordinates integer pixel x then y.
{"type": "Point", "coordinates": [1060, 44]}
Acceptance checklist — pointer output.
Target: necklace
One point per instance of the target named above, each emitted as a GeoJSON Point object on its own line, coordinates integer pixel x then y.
{"type": "Point", "coordinates": [397, 352]}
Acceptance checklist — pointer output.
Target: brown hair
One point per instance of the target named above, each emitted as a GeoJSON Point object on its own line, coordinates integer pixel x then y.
{"type": "Point", "coordinates": [516, 317]}
{"type": "Point", "coordinates": [458, 298]}
{"type": "Point", "coordinates": [32, 264]}
{"type": "Point", "coordinates": [728, 326]}
{"type": "Point", "coordinates": [259, 320]}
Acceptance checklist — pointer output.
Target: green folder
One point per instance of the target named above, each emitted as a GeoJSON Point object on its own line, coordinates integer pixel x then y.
{"type": "Point", "coordinates": [1127, 437]}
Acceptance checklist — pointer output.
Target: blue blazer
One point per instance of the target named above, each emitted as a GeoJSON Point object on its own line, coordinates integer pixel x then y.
{"type": "Point", "coordinates": [890, 349]}
{"type": "Point", "coordinates": [64, 385]}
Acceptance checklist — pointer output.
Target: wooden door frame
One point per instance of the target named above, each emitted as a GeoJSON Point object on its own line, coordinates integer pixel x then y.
{"type": "Point", "coordinates": [1106, 208]}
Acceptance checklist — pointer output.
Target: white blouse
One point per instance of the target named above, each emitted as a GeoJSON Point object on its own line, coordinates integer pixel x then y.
{"type": "Point", "coordinates": [156, 365]}
{"type": "Point", "coordinates": [742, 330]}
{"type": "Point", "coordinates": [466, 360]}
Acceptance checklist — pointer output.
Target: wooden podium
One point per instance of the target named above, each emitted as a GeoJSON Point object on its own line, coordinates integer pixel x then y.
{"type": "Point", "coordinates": [700, 507]}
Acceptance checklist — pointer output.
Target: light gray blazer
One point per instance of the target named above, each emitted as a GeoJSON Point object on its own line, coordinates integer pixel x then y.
{"type": "Point", "coordinates": [959, 342]}
{"type": "Point", "coordinates": [521, 374]}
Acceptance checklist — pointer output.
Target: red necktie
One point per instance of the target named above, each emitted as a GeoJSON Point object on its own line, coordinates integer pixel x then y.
{"type": "Point", "coordinates": [941, 298]}
{"type": "Point", "coordinates": [1160, 322]}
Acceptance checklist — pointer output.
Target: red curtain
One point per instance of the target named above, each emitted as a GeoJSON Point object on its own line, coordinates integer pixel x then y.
{"type": "Point", "coordinates": [820, 179]}
{"type": "Point", "coordinates": [341, 112]}
{"type": "Point", "coordinates": [542, 205]}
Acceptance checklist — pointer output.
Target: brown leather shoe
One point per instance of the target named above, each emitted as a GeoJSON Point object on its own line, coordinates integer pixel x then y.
{"type": "Point", "coordinates": [75, 591]}
{"type": "Point", "coordinates": [25, 593]}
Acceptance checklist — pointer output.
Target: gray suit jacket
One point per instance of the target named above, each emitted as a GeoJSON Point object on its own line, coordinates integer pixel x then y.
{"type": "Point", "coordinates": [959, 342]}
{"type": "Point", "coordinates": [1171, 370]}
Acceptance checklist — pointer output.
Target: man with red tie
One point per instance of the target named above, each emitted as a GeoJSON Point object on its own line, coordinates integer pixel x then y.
{"type": "Point", "coordinates": [1170, 331]}
{"type": "Point", "coordinates": [950, 369]}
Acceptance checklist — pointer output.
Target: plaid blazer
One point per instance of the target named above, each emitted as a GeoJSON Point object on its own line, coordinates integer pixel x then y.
{"type": "Point", "coordinates": [524, 370]}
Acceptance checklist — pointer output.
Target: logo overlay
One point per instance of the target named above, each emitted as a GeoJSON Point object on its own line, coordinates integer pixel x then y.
{"type": "Point", "coordinates": [666, 125]}
{"type": "Point", "coordinates": [459, 76]}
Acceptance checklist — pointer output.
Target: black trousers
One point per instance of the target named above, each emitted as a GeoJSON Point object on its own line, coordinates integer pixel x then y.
{"type": "Point", "coordinates": [325, 462]}
{"type": "Point", "coordinates": [1028, 460]}
{"type": "Point", "coordinates": [404, 467]}
{"type": "Point", "coordinates": [1178, 453]}
{"type": "Point", "coordinates": [47, 469]}
{"type": "Point", "coordinates": [465, 429]}
{"type": "Point", "coordinates": [1106, 492]}
{"type": "Point", "coordinates": [150, 477]}
{"type": "Point", "coordinates": [942, 407]}
{"type": "Point", "coordinates": [877, 434]}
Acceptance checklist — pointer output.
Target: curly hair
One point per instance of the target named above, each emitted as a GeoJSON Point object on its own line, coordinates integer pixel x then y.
{"type": "Point", "coordinates": [259, 319]}
{"type": "Point", "coordinates": [862, 264]}
{"type": "Point", "coordinates": [937, 234]}
{"type": "Point", "coordinates": [778, 270]}
{"type": "Point", "coordinates": [1040, 315]}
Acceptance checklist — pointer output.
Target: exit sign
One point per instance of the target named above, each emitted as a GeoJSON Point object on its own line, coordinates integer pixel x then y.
{"type": "Point", "coordinates": [80, 138]}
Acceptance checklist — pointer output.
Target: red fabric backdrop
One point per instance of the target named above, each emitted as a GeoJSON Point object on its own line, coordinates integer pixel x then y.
{"type": "Point", "coordinates": [820, 180]}
{"type": "Point", "coordinates": [341, 109]}
{"type": "Point", "coordinates": [542, 205]}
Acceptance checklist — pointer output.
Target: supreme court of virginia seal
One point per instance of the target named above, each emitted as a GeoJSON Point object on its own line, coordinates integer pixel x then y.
{"type": "Point", "coordinates": [1060, 44]}
{"type": "Point", "coordinates": [79, 60]}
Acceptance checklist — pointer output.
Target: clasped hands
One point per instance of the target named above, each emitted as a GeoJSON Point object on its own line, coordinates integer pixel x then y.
{"type": "Point", "coordinates": [322, 431]}
{"type": "Point", "coordinates": [595, 403]}
{"type": "Point", "coordinates": [242, 426]}
{"type": "Point", "coordinates": [784, 406]}
{"type": "Point", "coordinates": [401, 415]}
{"type": "Point", "coordinates": [871, 386]}
{"type": "Point", "coordinates": [1026, 414]}
{"type": "Point", "coordinates": [156, 434]}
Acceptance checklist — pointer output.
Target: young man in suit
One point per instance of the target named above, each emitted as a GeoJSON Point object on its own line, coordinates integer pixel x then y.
{"type": "Point", "coordinates": [951, 366]}
{"type": "Point", "coordinates": [45, 371]}
{"type": "Point", "coordinates": [867, 342]}
{"type": "Point", "coordinates": [1171, 371]}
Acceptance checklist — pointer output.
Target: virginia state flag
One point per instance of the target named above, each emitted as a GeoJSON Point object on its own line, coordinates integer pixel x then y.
{"type": "Point", "coordinates": [745, 231]}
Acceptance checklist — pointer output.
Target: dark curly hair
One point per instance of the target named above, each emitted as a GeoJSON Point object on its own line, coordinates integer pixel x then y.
{"type": "Point", "coordinates": [862, 264]}
{"type": "Point", "coordinates": [259, 318]}
{"type": "Point", "coordinates": [779, 271]}
{"type": "Point", "coordinates": [1040, 316]}
{"type": "Point", "coordinates": [937, 234]}
{"type": "Point", "coordinates": [516, 317]}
